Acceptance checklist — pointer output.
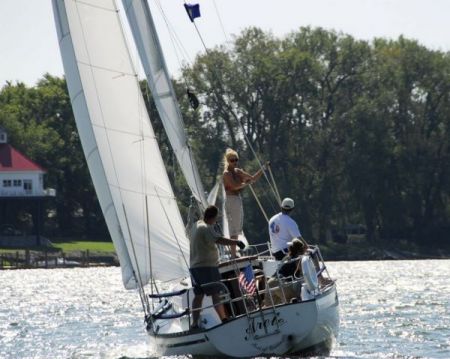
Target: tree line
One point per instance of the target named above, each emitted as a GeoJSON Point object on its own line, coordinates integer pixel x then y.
{"type": "Point", "coordinates": [357, 132]}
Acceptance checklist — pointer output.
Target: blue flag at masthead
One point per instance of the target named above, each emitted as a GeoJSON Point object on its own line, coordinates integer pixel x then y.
{"type": "Point", "coordinates": [193, 11]}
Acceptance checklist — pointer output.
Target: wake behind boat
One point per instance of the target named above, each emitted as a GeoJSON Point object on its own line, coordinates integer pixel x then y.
{"type": "Point", "coordinates": [141, 210]}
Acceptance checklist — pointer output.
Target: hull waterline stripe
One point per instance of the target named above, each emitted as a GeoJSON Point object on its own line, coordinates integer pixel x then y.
{"type": "Point", "coordinates": [186, 343]}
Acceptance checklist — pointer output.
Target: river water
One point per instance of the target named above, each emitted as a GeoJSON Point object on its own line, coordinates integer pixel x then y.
{"type": "Point", "coordinates": [389, 309]}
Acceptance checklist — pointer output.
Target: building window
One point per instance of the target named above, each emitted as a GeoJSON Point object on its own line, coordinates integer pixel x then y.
{"type": "Point", "coordinates": [17, 183]}
{"type": "Point", "coordinates": [6, 183]}
{"type": "Point", "coordinates": [2, 137]}
{"type": "Point", "coordinates": [27, 186]}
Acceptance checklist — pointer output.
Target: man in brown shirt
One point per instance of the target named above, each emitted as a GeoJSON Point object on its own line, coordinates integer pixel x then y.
{"type": "Point", "coordinates": [204, 259]}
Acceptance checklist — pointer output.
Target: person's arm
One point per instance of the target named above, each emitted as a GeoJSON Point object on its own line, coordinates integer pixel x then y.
{"type": "Point", "coordinates": [229, 242]}
{"type": "Point", "coordinates": [293, 230]}
{"type": "Point", "coordinates": [249, 178]}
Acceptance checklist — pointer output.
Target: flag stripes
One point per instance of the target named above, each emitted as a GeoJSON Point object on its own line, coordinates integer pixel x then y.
{"type": "Point", "coordinates": [247, 280]}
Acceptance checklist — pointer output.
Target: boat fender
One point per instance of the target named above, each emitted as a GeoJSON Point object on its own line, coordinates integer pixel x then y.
{"type": "Point", "coordinates": [310, 274]}
{"type": "Point", "coordinates": [193, 100]}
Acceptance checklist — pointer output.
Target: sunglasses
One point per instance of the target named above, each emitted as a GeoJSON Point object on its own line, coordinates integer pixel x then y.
{"type": "Point", "coordinates": [234, 160]}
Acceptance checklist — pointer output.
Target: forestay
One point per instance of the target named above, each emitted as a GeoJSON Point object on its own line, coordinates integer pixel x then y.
{"type": "Point", "coordinates": [150, 52]}
{"type": "Point", "coordinates": [119, 143]}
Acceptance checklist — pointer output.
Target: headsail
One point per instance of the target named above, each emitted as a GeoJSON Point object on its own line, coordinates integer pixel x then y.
{"type": "Point", "coordinates": [150, 52]}
{"type": "Point", "coordinates": [119, 143]}
{"type": "Point", "coordinates": [212, 196]}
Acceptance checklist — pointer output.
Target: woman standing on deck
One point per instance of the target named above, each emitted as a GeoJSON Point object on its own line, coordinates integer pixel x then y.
{"type": "Point", "coordinates": [234, 180]}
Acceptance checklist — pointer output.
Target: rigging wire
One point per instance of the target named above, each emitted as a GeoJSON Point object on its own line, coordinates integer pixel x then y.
{"type": "Point", "coordinates": [274, 184]}
{"type": "Point", "coordinates": [220, 21]}
{"type": "Point", "coordinates": [143, 173]}
{"type": "Point", "coordinates": [180, 136]}
{"type": "Point", "coordinates": [173, 33]}
{"type": "Point", "coordinates": [173, 230]}
{"type": "Point", "coordinates": [177, 44]}
{"type": "Point", "coordinates": [259, 204]}
{"type": "Point", "coordinates": [138, 278]}
{"type": "Point", "coordinates": [247, 140]}
{"type": "Point", "coordinates": [241, 126]}
{"type": "Point", "coordinates": [152, 282]}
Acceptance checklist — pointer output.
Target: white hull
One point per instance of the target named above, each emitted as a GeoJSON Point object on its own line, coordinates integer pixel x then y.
{"type": "Point", "coordinates": [289, 328]}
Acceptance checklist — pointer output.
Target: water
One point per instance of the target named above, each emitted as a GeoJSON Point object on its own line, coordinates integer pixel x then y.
{"type": "Point", "coordinates": [389, 309]}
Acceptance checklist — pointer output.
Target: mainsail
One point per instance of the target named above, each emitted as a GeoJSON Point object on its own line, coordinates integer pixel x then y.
{"type": "Point", "coordinates": [119, 143]}
{"type": "Point", "coordinates": [149, 48]}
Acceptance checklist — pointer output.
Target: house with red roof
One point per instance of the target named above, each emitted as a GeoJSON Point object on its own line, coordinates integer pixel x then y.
{"type": "Point", "coordinates": [19, 176]}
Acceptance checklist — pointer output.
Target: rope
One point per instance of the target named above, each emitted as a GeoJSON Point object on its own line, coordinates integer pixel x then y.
{"type": "Point", "coordinates": [275, 185]}
{"type": "Point", "coordinates": [259, 161]}
{"type": "Point", "coordinates": [163, 114]}
{"type": "Point", "coordinates": [247, 140]}
{"type": "Point", "coordinates": [138, 277]}
{"type": "Point", "coordinates": [91, 66]}
{"type": "Point", "coordinates": [220, 21]}
{"type": "Point", "coordinates": [173, 231]}
{"type": "Point", "coordinates": [177, 44]}
{"type": "Point", "coordinates": [149, 247]}
{"type": "Point", "coordinates": [259, 204]}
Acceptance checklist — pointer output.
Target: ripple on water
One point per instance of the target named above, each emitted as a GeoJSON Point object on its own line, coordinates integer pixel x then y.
{"type": "Point", "coordinates": [389, 309]}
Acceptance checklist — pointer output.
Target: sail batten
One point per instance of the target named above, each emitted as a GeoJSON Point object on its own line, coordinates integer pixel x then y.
{"type": "Point", "coordinates": [158, 78]}
{"type": "Point", "coordinates": [119, 143]}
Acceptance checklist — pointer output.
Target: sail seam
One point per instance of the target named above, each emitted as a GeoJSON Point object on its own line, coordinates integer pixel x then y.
{"type": "Point", "coordinates": [62, 16]}
{"type": "Point", "coordinates": [155, 74]}
{"type": "Point", "coordinates": [127, 190]}
{"type": "Point", "coordinates": [102, 117]}
{"type": "Point", "coordinates": [96, 6]}
{"type": "Point", "coordinates": [106, 69]}
{"type": "Point", "coordinates": [141, 136]}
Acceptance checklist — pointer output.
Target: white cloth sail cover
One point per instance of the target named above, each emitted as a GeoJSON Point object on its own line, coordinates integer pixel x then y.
{"type": "Point", "coordinates": [119, 143]}
{"type": "Point", "coordinates": [152, 58]}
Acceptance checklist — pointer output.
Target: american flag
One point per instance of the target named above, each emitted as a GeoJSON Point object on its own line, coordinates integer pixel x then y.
{"type": "Point", "coordinates": [247, 280]}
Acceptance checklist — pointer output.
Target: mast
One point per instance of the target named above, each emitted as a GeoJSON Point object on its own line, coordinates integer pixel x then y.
{"type": "Point", "coordinates": [158, 78]}
{"type": "Point", "coordinates": [119, 143]}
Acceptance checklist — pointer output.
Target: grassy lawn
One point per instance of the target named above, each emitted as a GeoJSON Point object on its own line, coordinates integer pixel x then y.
{"type": "Point", "coordinates": [84, 245]}
{"type": "Point", "coordinates": [69, 245]}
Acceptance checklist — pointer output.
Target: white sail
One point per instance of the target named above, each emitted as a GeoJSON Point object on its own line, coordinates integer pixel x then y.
{"type": "Point", "coordinates": [119, 143]}
{"type": "Point", "coordinates": [150, 52]}
{"type": "Point", "coordinates": [212, 196]}
{"type": "Point", "coordinates": [225, 228]}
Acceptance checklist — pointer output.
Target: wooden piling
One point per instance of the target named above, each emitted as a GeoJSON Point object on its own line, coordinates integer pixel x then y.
{"type": "Point", "coordinates": [27, 258]}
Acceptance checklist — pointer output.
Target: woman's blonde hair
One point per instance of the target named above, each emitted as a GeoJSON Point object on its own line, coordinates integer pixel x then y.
{"type": "Point", "coordinates": [229, 153]}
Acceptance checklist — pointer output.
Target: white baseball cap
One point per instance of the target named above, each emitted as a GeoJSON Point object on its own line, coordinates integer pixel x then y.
{"type": "Point", "coordinates": [288, 203]}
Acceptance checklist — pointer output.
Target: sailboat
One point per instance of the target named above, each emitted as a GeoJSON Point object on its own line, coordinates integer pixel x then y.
{"type": "Point", "coordinates": [141, 210]}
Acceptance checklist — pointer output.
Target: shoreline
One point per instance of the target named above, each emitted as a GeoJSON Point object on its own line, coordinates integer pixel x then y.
{"type": "Point", "coordinates": [32, 259]}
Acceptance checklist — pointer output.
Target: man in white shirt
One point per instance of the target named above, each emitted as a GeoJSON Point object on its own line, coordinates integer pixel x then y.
{"type": "Point", "coordinates": [283, 229]}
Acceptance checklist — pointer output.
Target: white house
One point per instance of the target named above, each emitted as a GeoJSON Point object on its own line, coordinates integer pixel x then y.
{"type": "Point", "coordinates": [19, 176]}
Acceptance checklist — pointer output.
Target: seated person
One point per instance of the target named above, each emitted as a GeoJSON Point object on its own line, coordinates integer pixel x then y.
{"type": "Point", "coordinates": [291, 267]}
